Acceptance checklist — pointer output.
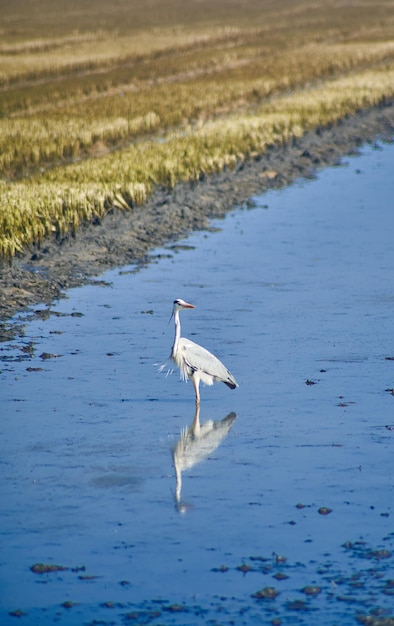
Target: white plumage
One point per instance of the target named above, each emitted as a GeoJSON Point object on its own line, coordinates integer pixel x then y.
{"type": "Point", "coordinates": [194, 361]}
{"type": "Point", "coordinates": [195, 444]}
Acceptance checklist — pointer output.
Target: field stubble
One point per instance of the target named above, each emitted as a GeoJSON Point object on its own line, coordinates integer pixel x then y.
{"type": "Point", "coordinates": [92, 121]}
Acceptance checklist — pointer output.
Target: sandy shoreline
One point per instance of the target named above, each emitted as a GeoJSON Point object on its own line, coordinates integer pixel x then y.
{"type": "Point", "coordinates": [45, 272]}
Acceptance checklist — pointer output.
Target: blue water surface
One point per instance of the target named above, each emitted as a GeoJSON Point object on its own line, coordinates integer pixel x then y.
{"type": "Point", "coordinates": [296, 296]}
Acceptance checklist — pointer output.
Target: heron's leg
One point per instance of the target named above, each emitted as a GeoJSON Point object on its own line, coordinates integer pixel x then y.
{"type": "Point", "coordinates": [196, 384]}
{"type": "Point", "coordinates": [195, 428]}
{"type": "Point", "coordinates": [178, 487]}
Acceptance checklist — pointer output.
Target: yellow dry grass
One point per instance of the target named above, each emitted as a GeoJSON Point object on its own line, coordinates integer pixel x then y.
{"type": "Point", "coordinates": [166, 94]}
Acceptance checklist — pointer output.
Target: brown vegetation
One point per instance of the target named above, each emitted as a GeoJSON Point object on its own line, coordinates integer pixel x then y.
{"type": "Point", "coordinates": [103, 102]}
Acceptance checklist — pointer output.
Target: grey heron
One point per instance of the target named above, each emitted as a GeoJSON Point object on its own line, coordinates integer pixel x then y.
{"type": "Point", "coordinates": [194, 361]}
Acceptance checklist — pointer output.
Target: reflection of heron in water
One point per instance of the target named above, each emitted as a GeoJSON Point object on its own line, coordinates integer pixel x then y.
{"type": "Point", "coordinates": [195, 444]}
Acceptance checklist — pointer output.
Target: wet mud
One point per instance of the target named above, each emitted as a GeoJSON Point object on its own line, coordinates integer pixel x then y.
{"type": "Point", "coordinates": [46, 271]}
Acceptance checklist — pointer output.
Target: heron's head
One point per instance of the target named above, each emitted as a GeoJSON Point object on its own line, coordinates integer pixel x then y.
{"type": "Point", "coordinates": [181, 304]}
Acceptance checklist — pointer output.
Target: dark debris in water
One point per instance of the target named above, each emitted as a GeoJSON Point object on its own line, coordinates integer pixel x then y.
{"type": "Point", "coordinates": [180, 247]}
{"type": "Point", "coordinates": [176, 608]}
{"type": "Point", "coordinates": [352, 585]}
{"type": "Point", "coordinates": [149, 611]}
{"type": "Point", "coordinates": [244, 568]}
{"type": "Point", "coordinates": [112, 605]}
{"type": "Point", "coordinates": [47, 568]}
{"type": "Point", "coordinates": [324, 510]}
{"type": "Point", "coordinates": [68, 604]}
{"type": "Point", "coordinates": [222, 569]}
{"type": "Point", "coordinates": [279, 558]}
{"type": "Point", "coordinates": [47, 355]}
{"type": "Point", "coordinates": [360, 584]}
{"type": "Point", "coordinates": [8, 332]}
{"type": "Point", "coordinates": [17, 613]}
{"type": "Point", "coordinates": [44, 314]}
{"type": "Point", "coordinates": [262, 559]}
{"type": "Point", "coordinates": [280, 576]}
{"type": "Point", "coordinates": [361, 550]}
{"type": "Point", "coordinates": [142, 617]}
{"type": "Point", "coordinates": [371, 620]}
{"type": "Point", "coordinates": [311, 590]}
{"type": "Point", "coordinates": [17, 353]}
{"type": "Point", "coordinates": [267, 593]}
{"type": "Point", "coordinates": [297, 605]}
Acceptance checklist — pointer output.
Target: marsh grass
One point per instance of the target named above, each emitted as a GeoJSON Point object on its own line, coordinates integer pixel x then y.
{"type": "Point", "coordinates": [171, 103]}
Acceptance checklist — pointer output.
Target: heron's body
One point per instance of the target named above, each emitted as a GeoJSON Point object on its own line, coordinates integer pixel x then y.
{"type": "Point", "coordinates": [194, 361]}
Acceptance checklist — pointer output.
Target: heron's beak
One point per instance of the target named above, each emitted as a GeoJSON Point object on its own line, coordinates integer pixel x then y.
{"type": "Point", "coordinates": [188, 306]}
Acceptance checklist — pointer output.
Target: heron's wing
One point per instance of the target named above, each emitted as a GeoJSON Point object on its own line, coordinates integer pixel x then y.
{"type": "Point", "coordinates": [190, 449]}
{"type": "Point", "coordinates": [199, 359]}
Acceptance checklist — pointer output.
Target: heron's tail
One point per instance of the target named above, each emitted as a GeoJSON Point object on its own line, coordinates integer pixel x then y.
{"type": "Point", "coordinates": [230, 381]}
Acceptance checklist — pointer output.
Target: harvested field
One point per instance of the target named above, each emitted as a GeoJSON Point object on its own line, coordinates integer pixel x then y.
{"type": "Point", "coordinates": [102, 112]}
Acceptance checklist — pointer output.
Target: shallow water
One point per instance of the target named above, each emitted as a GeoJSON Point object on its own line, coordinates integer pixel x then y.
{"type": "Point", "coordinates": [296, 297]}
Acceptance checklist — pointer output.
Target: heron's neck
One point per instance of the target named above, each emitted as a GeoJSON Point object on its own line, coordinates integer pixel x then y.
{"type": "Point", "coordinates": [177, 331]}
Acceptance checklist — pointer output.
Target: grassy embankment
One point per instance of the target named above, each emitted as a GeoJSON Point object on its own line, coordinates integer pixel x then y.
{"type": "Point", "coordinates": [98, 106]}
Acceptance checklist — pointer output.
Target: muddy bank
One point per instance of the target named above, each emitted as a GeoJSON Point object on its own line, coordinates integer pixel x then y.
{"type": "Point", "coordinates": [45, 272]}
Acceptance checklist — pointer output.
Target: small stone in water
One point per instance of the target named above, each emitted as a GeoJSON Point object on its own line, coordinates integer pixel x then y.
{"type": "Point", "coordinates": [222, 568]}
{"type": "Point", "coordinates": [311, 591]}
{"type": "Point", "coordinates": [45, 568]}
{"type": "Point", "coordinates": [280, 576]}
{"type": "Point", "coordinates": [324, 510]}
{"type": "Point", "coordinates": [243, 568]}
{"type": "Point", "coordinates": [267, 593]}
{"type": "Point", "coordinates": [297, 605]}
